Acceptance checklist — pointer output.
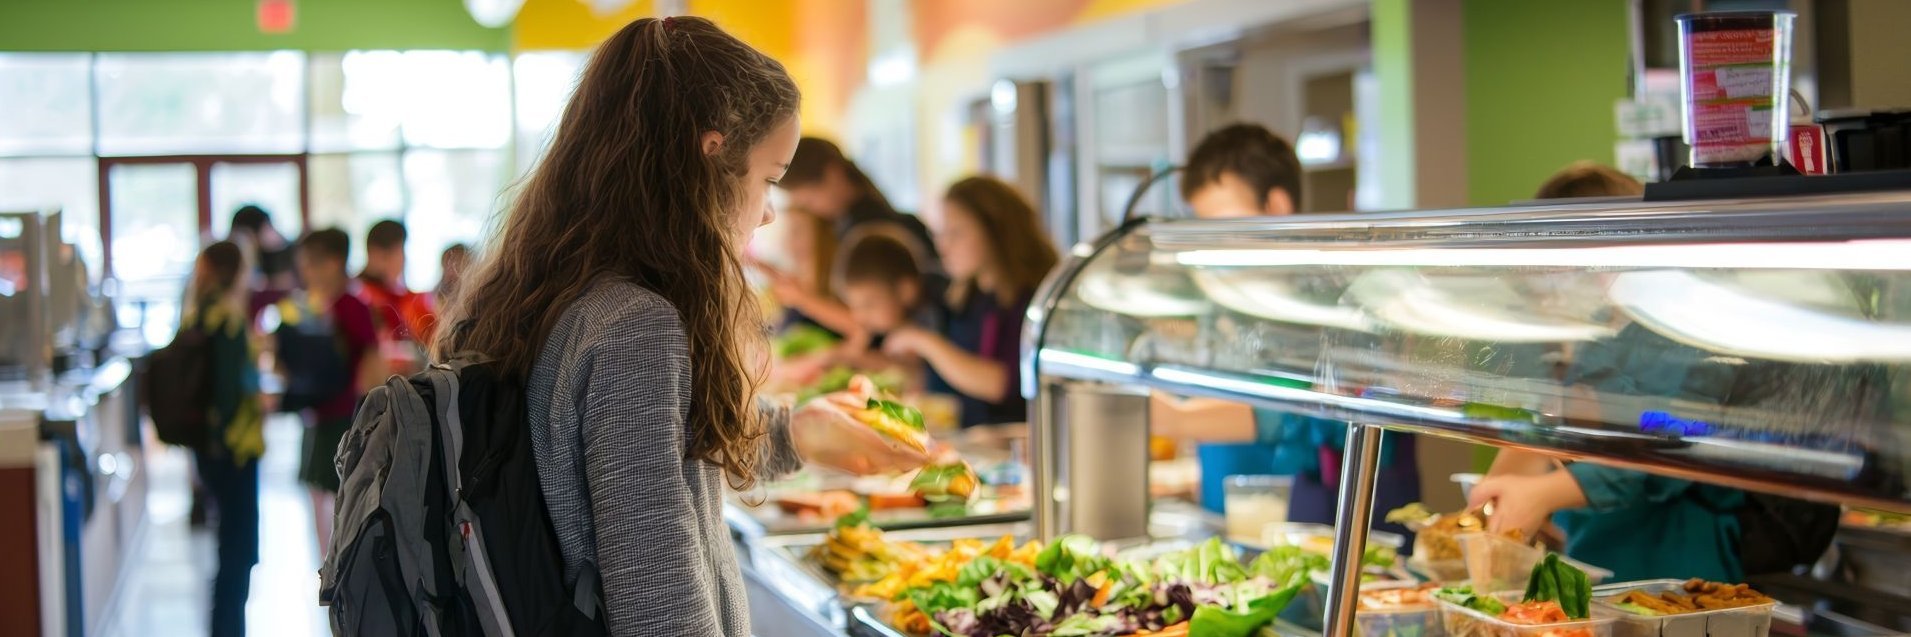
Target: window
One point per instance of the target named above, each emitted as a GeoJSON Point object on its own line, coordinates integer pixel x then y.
{"type": "Point", "coordinates": [272, 186]}
{"type": "Point", "coordinates": [453, 195]}
{"type": "Point", "coordinates": [351, 192]}
{"type": "Point", "coordinates": [428, 137]}
{"type": "Point", "coordinates": [544, 83]}
{"type": "Point", "coordinates": [155, 227]}
{"type": "Point", "coordinates": [200, 103]}
{"type": "Point", "coordinates": [48, 106]}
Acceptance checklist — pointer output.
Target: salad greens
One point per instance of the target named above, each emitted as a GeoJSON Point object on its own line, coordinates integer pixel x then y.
{"type": "Point", "coordinates": [1464, 597]}
{"type": "Point", "coordinates": [902, 413]}
{"type": "Point", "coordinates": [837, 379]}
{"type": "Point", "coordinates": [1554, 580]}
{"type": "Point", "coordinates": [1071, 557]}
{"type": "Point", "coordinates": [1288, 564]}
{"type": "Point", "coordinates": [1216, 621]}
{"type": "Point", "coordinates": [855, 518]}
{"type": "Point", "coordinates": [1075, 590]}
{"type": "Point", "coordinates": [803, 339]}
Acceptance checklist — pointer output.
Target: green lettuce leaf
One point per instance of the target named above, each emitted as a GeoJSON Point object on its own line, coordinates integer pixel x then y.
{"type": "Point", "coordinates": [902, 413]}
{"type": "Point", "coordinates": [1465, 597]}
{"type": "Point", "coordinates": [1214, 621]}
{"type": "Point", "coordinates": [1071, 557]}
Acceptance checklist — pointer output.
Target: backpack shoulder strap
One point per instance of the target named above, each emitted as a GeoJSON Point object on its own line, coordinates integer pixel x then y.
{"type": "Point", "coordinates": [471, 564]}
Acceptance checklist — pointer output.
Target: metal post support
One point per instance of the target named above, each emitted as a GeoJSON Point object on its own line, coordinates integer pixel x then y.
{"type": "Point", "coordinates": [1360, 464]}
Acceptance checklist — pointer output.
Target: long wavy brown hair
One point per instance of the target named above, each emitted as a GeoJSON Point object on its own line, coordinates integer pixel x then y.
{"type": "Point", "coordinates": [1020, 253]}
{"type": "Point", "coordinates": [627, 190]}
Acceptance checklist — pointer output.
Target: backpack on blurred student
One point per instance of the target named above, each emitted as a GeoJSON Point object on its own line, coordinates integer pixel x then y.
{"type": "Point", "coordinates": [176, 388]}
{"type": "Point", "coordinates": [311, 355]}
{"type": "Point", "coordinates": [441, 527]}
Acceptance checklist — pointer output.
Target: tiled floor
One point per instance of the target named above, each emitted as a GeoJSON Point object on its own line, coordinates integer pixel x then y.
{"type": "Point", "coordinates": [167, 597]}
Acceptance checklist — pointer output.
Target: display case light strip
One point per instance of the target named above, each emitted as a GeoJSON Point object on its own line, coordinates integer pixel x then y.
{"type": "Point", "coordinates": [1061, 362]}
{"type": "Point", "coordinates": [1277, 393]}
{"type": "Point", "coordinates": [1887, 254]}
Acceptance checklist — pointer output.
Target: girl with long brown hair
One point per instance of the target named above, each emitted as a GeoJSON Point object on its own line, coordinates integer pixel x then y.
{"type": "Point", "coordinates": [614, 290]}
{"type": "Point", "coordinates": [996, 253]}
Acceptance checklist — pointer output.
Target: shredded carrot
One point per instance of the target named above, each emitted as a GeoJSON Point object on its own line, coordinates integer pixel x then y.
{"type": "Point", "coordinates": [1101, 594]}
{"type": "Point", "coordinates": [1177, 630]}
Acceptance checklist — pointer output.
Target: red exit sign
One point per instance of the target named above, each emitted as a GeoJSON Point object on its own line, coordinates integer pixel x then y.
{"type": "Point", "coordinates": [277, 16]}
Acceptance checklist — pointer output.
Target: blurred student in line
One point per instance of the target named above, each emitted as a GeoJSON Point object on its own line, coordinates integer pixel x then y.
{"type": "Point", "coordinates": [811, 242]}
{"type": "Point", "coordinates": [824, 182]}
{"type": "Point", "coordinates": [1699, 530]}
{"type": "Point", "coordinates": [881, 284]}
{"type": "Point", "coordinates": [270, 251]}
{"type": "Point", "coordinates": [327, 349]}
{"type": "Point", "coordinates": [228, 465]}
{"type": "Point", "coordinates": [404, 318]}
{"type": "Point", "coordinates": [452, 264]}
{"type": "Point", "coordinates": [997, 253]}
{"type": "Point", "coordinates": [1243, 171]}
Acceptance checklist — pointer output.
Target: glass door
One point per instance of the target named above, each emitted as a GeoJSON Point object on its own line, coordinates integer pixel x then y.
{"type": "Point", "coordinates": [152, 237]}
{"type": "Point", "coordinates": [276, 185]}
{"type": "Point", "coordinates": [159, 211]}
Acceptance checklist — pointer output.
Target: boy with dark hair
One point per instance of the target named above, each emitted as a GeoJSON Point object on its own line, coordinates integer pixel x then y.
{"type": "Point", "coordinates": [404, 318]}
{"type": "Point", "coordinates": [880, 279]}
{"type": "Point", "coordinates": [1243, 170]}
{"type": "Point", "coordinates": [882, 285]}
{"type": "Point", "coordinates": [321, 262]}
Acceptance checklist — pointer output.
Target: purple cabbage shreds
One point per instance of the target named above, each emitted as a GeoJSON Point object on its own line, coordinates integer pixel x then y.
{"type": "Point", "coordinates": [961, 621]}
{"type": "Point", "coordinates": [1179, 596]}
{"type": "Point", "coordinates": [1074, 599]}
{"type": "Point", "coordinates": [1015, 618]}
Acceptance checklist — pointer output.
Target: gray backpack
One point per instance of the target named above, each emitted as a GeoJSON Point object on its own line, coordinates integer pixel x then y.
{"type": "Point", "coordinates": [440, 527]}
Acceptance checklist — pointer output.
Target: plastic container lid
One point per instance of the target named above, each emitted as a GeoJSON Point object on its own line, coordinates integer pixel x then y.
{"type": "Point", "coordinates": [1497, 563]}
{"type": "Point", "coordinates": [1297, 534]}
{"type": "Point", "coordinates": [1744, 621]}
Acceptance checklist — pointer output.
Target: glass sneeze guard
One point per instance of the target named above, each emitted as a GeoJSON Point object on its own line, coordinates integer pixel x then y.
{"type": "Point", "coordinates": [1760, 344]}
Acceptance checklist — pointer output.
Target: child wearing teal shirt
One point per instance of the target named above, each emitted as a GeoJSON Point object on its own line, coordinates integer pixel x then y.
{"type": "Point", "coordinates": [1310, 450]}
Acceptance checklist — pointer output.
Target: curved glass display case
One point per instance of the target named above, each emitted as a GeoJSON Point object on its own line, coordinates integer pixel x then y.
{"type": "Point", "coordinates": [1761, 344]}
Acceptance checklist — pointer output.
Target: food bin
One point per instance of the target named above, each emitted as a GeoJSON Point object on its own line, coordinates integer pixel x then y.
{"type": "Point", "coordinates": [1309, 606]}
{"type": "Point", "coordinates": [1744, 621]}
{"type": "Point", "coordinates": [1422, 562]}
{"type": "Point", "coordinates": [1497, 563]}
{"type": "Point", "coordinates": [1437, 570]}
{"type": "Point", "coordinates": [1460, 621]}
{"type": "Point", "coordinates": [1405, 622]}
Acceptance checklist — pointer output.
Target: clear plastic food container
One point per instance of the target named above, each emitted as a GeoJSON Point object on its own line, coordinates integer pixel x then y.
{"type": "Point", "coordinates": [1319, 538]}
{"type": "Point", "coordinates": [1744, 621]}
{"type": "Point", "coordinates": [1426, 544]}
{"type": "Point", "coordinates": [1400, 622]}
{"type": "Point", "coordinates": [1496, 563]}
{"type": "Point", "coordinates": [1437, 571]}
{"type": "Point", "coordinates": [1460, 621]}
{"type": "Point", "coordinates": [1309, 607]}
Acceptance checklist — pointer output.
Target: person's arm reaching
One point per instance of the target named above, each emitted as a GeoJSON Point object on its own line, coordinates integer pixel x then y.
{"type": "Point", "coordinates": [978, 377]}
{"type": "Point", "coordinates": [649, 548]}
{"type": "Point", "coordinates": [1200, 419]}
{"type": "Point", "coordinates": [790, 292]}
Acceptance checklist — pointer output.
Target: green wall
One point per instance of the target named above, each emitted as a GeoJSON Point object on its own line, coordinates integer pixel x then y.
{"type": "Point", "coordinates": [1393, 70]}
{"type": "Point", "coordinates": [1541, 80]}
{"type": "Point", "coordinates": [229, 25]}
